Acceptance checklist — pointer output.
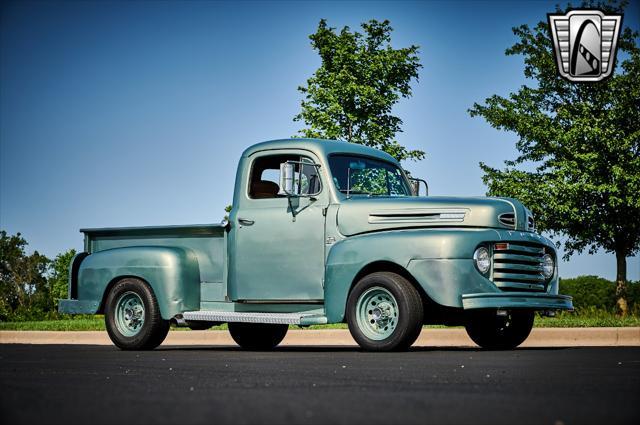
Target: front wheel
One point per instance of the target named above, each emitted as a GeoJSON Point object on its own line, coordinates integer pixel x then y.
{"type": "Point", "coordinates": [384, 312]}
{"type": "Point", "coordinates": [132, 316]}
{"type": "Point", "coordinates": [257, 336]}
{"type": "Point", "coordinates": [494, 332]}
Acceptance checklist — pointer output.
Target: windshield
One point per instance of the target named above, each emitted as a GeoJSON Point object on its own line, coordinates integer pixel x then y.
{"type": "Point", "coordinates": [358, 175]}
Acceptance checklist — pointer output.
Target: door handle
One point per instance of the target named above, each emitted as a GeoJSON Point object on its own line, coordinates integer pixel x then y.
{"type": "Point", "coordinates": [245, 222]}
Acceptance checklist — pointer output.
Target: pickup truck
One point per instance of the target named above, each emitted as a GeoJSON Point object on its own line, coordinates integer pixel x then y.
{"type": "Point", "coordinates": [324, 232]}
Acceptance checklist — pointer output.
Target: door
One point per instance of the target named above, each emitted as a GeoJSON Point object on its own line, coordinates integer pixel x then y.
{"type": "Point", "coordinates": [279, 241]}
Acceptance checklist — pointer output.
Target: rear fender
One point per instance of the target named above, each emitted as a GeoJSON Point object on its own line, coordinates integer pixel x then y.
{"type": "Point", "coordinates": [172, 273]}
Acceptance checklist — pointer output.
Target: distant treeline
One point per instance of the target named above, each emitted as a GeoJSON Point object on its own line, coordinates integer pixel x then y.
{"type": "Point", "coordinates": [30, 285]}
{"type": "Point", "coordinates": [591, 292]}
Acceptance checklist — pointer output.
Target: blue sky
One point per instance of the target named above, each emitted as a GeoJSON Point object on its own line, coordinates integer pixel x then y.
{"type": "Point", "coordinates": [135, 113]}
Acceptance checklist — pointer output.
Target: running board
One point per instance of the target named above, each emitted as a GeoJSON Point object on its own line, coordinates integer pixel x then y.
{"type": "Point", "coordinates": [272, 318]}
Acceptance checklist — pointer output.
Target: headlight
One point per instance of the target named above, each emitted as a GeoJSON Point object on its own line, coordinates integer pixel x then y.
{"type": "Point", "coordinates": [547, 266]}
{"type": "Point", "coordinates": [482, 259]}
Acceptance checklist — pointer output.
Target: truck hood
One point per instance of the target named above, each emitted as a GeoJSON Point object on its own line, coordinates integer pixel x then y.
{"type": "Point", "coordinates": [361, 215]}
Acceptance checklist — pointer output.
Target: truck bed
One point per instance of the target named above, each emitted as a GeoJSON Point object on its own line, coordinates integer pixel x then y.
{"type": "Point", "coordinates": [207, 241]}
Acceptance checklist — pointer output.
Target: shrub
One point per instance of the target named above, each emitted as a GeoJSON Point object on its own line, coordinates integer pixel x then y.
{"type": "Point", "coordinates": [593, 292]}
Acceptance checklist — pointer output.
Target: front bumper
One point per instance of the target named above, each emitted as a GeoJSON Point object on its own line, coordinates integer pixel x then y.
{"type": "Point", "coordinates": [534, 301]}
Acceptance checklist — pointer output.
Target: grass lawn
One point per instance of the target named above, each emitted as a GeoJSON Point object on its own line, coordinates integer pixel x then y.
{"type": "Point", "coordinates": [562, 320]}
{"type": "Point", "coordinates": [589, 319]}
{"type": "Point", "coordinates": [79, 323]}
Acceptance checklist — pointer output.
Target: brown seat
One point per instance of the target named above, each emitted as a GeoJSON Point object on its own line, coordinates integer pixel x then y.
{"type": "Point", "coordinates": [263, 189]}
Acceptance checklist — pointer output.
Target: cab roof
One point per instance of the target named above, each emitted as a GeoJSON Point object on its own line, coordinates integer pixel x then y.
{"type": "Point", "coordinates": [320, 147]}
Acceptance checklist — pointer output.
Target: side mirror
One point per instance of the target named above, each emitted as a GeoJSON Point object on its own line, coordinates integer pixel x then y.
{"type": "Point", "coordinates": [415, 186]}
{"type": "Point", "coordinates": [287, 179]}
{"type": "Point", "coordinates": [299, 179]}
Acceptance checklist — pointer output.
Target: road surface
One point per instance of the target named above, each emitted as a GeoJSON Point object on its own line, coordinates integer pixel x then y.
{"type": "Point", "coordinates": [318, 385]}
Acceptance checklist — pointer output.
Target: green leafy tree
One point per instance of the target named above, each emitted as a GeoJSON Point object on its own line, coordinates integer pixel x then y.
{"type": "Point", "coordinates": [361, 77]}
{"type": "Point", "coordinates": [24, 291]}
{"type": "Point", "coordinates": [578, 167]}
{"type": "Point", "coordinates": [59, 276]}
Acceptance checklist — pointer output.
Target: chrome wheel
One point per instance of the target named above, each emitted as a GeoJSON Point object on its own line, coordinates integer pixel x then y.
{"type": "Point", "coordinates": [377, 313]}
{"type": "Point", "coordinates": [129, 314]}
{"type": "Point", "coordinates": [384, 312]}
{"type": "Point", "coordinates": [132, 316]}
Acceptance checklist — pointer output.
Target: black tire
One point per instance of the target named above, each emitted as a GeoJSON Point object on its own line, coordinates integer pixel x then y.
{"type": "Point", "coordinates": [493, 332]}
{"type": "Point", "coordinates": [410, 313]}
{"type": "Point", "coordinates": [257, 336]}
{"type": "Point", "coordinates": [154, 328]}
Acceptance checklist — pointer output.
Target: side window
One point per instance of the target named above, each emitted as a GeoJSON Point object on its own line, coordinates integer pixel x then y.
{"type": "Point", "coordinates": [265, 176]}
{"type": "Point", "coordinates": [271, 175]}
{"type": "Point", "coordinates": [308, 177]}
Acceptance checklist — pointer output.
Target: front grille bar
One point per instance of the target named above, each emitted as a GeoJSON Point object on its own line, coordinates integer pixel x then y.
{"type": "Point", "coordinates": [519, 267]}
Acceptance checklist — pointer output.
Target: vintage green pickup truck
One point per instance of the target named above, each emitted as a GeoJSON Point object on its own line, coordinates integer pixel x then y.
{"type": "Point", "coordinates": [324, 232]}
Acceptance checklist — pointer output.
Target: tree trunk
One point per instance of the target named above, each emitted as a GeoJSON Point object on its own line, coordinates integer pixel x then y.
{"type": "Point", "coordinates": [621, 282]}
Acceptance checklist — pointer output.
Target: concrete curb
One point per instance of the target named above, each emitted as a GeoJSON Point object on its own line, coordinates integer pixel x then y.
{"type": "Point", "coordinates": [540, 337]}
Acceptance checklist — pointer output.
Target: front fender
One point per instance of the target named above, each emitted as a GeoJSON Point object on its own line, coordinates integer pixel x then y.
{"type": "Point", "coordinates": [440, 260]}
{"type": "Point", "coordinates": [172, 273]}
{"type": "Point", "coordinates": [349, 256]}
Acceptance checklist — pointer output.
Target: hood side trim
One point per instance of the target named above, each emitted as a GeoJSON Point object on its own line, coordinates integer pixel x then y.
{"type": "Point", "coordinates": [418, 215]}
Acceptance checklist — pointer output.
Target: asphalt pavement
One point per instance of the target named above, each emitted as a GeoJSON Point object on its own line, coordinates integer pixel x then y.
{"type": "Point", "coordinates": [318, 385]}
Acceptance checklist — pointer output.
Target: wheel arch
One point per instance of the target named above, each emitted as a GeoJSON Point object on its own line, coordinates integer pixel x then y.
{"type": "Point", "coordinates": [112, 283]}
{"type": "Point", "coordinates": [389, 266]}
{"type": "Point", "coordinates": [342, 280]}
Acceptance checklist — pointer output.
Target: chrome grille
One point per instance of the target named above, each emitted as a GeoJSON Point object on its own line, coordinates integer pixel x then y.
{"type": "Point", "coordinates": [508, 219]}
{"type": "Point", "coordinates": [519, 267]}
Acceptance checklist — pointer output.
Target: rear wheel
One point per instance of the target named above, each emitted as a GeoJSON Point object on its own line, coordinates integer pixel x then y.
{"type": "Point", "coordinates": [494, 332]}
{"type": "Point", "coordinates": [384, 312]}
{"type": "Point", "coordinates": [132, 316]}
{"type": "Point", "coordinates": [257, 336]}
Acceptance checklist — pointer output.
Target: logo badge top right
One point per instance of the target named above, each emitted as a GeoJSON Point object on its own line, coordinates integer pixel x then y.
{"type": "Point", "coordinates": [585, 44]}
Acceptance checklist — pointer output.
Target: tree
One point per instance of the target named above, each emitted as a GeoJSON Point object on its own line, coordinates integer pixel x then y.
{"type": "Point", "coordinates": [578, 167]}
{"type": "Point", "coordinates": [59, 276]}
{"type": "Point", "coordinates": [361, 77]}
{"type": "Point", "coordinates": [23, 285]}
